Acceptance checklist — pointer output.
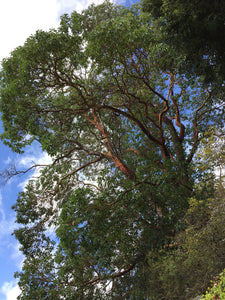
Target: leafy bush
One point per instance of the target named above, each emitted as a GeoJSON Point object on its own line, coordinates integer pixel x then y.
{"type": "Point", "coordinates": [217, 291]}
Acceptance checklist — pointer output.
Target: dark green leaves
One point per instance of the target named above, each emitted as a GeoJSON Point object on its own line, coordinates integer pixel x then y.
{"type": "Point", "coordinates": [104, 97]}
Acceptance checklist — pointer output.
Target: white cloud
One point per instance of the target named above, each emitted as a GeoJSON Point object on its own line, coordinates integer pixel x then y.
{"type": "Point", "coordinates": [2, 214]}
{"type": "Point", "coordinates": [33, 156]}
{"type": "Point", "coordinates": [7, 225]}
{"type": "Point", "coordinates": [10, 290]}
{"type": "Point", "coordinates": [17, 255]}
{"type": "Point", "coordinates": [7, 161]}
{"type": "Point", "coordinates": [20, 19]}
{"type": "Point", "coordinates": [67, 6]}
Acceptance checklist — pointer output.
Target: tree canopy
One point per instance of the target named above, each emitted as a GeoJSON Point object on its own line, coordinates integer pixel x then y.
{"type": "Point", "coordinates": [197, 29]}
{"type": "Point", "coordinates": [104, 97]}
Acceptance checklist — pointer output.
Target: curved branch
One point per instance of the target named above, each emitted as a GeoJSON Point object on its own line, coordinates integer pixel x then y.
{"type": "Point", "coordinates": [132, 118]}
{"type": "Point", "coordinates": [111, 153]}
{"type": "Point", "coordinates": [80, 168]}
{"type": "Point", "coordinates": [113, 276]}
{"type": "Point", "coordinates": [195, 124]}
{"type": "Point", "coordinates": [177, 111]}
{"type": "Point", "coordinates": [7, 174]}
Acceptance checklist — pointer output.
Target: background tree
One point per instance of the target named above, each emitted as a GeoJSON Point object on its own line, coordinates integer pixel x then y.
{"type": "Point", "coordinates": [197, 29]}
{"type": "Point", "coordinates": [122, 126]}
{"type": "Point", "coordinates": [195, 257]}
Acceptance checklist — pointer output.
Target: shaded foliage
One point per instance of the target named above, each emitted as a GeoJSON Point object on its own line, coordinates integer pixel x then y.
{"type": "Point", "coordinates": [197, 29]}
{"type": "Point", "coordinates": [122, 126]}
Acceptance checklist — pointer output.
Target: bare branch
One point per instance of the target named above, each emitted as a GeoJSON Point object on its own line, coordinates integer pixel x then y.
{"type": "Point", "coordinates": [10, 172]}
{"type": "Point", "coordinates": [80, 168]}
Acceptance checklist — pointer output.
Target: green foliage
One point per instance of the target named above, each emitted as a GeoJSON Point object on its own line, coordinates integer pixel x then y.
{"type": "Point", "coordinates": [196, 28]}
{"type": "Point", "coordinates": [217, 291]}
{"type": "Point", "coordinates": [195, 256]}
{"type": "Point", "coordinates": [122, 126]}
{"type": "Point", "coordinates": [102, 237]}
{"type": "Point", "coordinates": [211, 154]}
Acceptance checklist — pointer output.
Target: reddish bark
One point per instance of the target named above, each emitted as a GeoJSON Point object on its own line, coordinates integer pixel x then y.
{"type": "Point", "coordinates": [111, 153]}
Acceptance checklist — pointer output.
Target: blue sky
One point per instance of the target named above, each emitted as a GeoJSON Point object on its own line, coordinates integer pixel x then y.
{"type": "Point", "coordinates": [18, 20]}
